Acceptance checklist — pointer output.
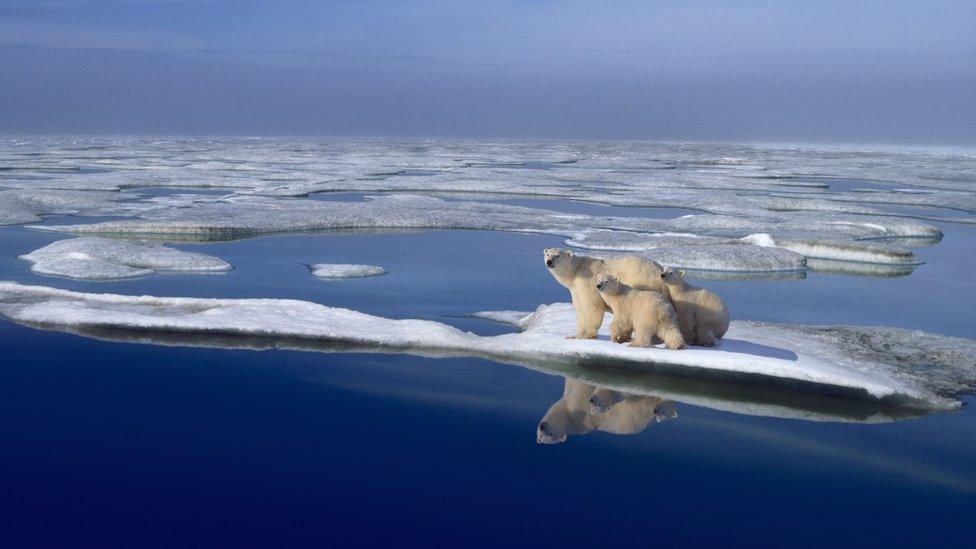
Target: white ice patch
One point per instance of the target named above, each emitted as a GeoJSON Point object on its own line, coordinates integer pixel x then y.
{"type": "Point", "coordinates": [884, 365]}
{"type": "Point", "coordinates": [341, 270]}
{"type": "Point", "coordinates": [759, 239]}
{"type": "Point", "coordinates": [28, 205]}
{"type": "Point", "coordinates": [107, 258]}
{"type": "Point", "coordinates": [739, 190]}
{"type": "Point", "coordinates": [753, 254]}
{"type": "Point", "coordinates": [858, 252]}
{"type": "Point", "coordinates": [732, 258]}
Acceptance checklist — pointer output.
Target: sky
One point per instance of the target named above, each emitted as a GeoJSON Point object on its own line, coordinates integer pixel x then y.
{"type": "Point", "coordinates": [827, 71]}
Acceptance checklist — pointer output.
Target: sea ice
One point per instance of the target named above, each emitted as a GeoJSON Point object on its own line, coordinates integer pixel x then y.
{"type": "Point", "coordinates": [791, 193]}
{"type": "Point", "coordinates": [27, 206]}
{"type": "Point", "coordinates": [340, 270]}
{"type": "Point", "coordinates": [881, 365]}
{"type": "Point", "coordinates": [107, 258]}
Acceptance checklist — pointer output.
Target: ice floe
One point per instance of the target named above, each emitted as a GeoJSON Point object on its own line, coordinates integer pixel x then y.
{"type": "Point", "coordinates": [792, 193]}
{"type": "Point", "coordinates": [27, 205]}
{"type": "Point", "coordinates": [107, 258]}
{"type": "Point", "coordinates": [243, 216]}
{"type": "Point", "coordinates": [342, 270]}
{"type": "Point", "coordinates": [890, 367]}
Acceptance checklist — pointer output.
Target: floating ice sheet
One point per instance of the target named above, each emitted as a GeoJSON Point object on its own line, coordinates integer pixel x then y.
{"type": "Point", "coordinates": [881, 365]}
{"type": "Point", "coordinates": [342, 270]}
{"type": "Point", "coordinates": [827, 197]}
{"type": "Point", "coordinates": [107, 258]}
{"type": "Point", "coordinates": [28, 205]}
{"type": "Point", "coordinates": [242, 216]}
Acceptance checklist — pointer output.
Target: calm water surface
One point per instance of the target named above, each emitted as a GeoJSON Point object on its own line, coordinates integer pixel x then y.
{"type": "Point", "coordinates": [108, 442]}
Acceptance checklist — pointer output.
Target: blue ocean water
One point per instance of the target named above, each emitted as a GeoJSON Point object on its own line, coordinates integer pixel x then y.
{"type": "Point", "coordinates": [136, 444]}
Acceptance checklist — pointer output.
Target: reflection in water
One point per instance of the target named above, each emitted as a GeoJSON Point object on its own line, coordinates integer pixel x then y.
{"type": "Point", "coordinates": [853, 268]}
{"type": "Point", "coordinates": [585, 408]}
{"type": "Point", "coordinates": [607, 384]}
{"type": "Point", "coordinates": [755, 276]}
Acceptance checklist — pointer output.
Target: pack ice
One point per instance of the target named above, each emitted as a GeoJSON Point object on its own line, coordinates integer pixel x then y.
{"type": "Point", "coordinates": [890, 367]}
{"type": "Point", "coordinates": [800, 196]}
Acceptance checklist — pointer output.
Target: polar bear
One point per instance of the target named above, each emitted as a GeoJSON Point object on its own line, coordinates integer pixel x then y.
{"type": "Point", "coordinates": [702, 315]}
{"type": "Point", "coordinates": [579, 273]}
{"type": "Point", "coordinates": [603, 400]}
{"type": "Point", "coordinates": [646, 315]}
{"type": "Point", "coordinates": [573, 414]}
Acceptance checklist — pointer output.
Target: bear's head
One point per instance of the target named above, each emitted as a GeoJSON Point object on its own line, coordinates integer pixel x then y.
{"type": "Point", "coordinates": [562, 420]}
{"type": "Point", "coordinates": [557, 259]}
{"type": "Point", "coordinates": [603, 399]}
{"type": "Point", "coordinates": [608, 284]}
{"type": "Point", "coordinates": [673, 277]}
{"type": "Point", "coordinates": [552, 429]}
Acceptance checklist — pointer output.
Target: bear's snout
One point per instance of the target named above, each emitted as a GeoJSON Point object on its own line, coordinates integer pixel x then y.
{"type": "Point", "coordinates": [548, 263]}
{"type": "Point", "coordinates": [663, 275]}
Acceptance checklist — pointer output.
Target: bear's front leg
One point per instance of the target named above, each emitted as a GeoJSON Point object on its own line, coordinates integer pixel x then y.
{"type": "Point", "coordinates": [619, 333]}
{"type": "Point", "coordinates": [589, 315]}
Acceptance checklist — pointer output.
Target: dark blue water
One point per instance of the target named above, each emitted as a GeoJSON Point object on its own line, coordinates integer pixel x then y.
{"type": "Point", "coordinates": [122, 443]}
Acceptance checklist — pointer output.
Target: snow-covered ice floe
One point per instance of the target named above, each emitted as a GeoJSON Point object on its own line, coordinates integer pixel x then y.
{"type": "Point", "coordinates": [108, 258]}
{"type": "Point", "coordinates": [884, 367]}
{"type": "Point", "coordinates": [342, 270]}
{"type": "Point", "coordinates": [246, 216]}
{"type": "Point", "coordinates": [28, 205]}
{"type": "Point", "coordinates": [794, 194]}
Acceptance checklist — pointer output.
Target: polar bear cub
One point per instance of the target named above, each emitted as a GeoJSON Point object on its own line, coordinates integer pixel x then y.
{"type": "Point", "coordinates": [644, 314]}
{"type": "Point", "coordinates": [603, 400]}
{"type": "Point", "coordinates": [579, 274]}
{"type": "Point", "coordinates": [702, 315]}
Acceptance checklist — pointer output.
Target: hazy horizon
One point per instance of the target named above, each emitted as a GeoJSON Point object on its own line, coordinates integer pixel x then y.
{"type": "Point", "coordinates": [872, 73]}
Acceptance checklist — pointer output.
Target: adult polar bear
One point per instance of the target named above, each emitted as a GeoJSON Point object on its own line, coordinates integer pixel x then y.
{"type": "Point", "coordinates": [579, 274]}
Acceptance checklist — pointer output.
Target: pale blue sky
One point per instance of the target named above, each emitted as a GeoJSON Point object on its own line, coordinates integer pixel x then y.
{"type": "Point", "coordinates": [889, 71]}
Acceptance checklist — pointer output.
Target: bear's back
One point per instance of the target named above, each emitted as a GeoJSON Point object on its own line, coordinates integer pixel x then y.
{"type": "Point", "coordinates": [640, 273]}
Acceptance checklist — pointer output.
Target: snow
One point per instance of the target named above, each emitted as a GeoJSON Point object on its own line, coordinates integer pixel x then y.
{"type": "Point", "coordinates": [107, 258]}
{"type": "Point", "coordinates": [895, 367]}
{"type": "Point", "coordinates": [744, 194]}
{"type": "Point", "coordinates": [340, 270]}
{"type": "Point", "coordinates": [861, 252]}
{"type": "Point", "coordinates": [27, 205]}
{"type": "Point", "coordinates": [733, 258]}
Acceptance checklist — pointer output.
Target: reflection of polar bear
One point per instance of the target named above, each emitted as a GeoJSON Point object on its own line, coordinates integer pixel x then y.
{"type": "Point", "coordinates": [603, 400]}
{"type": "Point", "coordinates": [579, 273]}
{"type": "Point", "coordinates": [575, 414]}
{"type": "Point", "coordinates": [646, 315]}
{"type": "Point", "coordinates": [703, 316]}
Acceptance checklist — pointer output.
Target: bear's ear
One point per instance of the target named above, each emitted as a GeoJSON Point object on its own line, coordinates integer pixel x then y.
{"type": "Point", "coordinates": [569, 253]}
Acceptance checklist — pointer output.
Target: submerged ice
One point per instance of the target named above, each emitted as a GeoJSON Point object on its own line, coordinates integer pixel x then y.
{"type": "Point", "coordinates": [883, 365]}
{"type": "Point", "coordinates": [108, 258]}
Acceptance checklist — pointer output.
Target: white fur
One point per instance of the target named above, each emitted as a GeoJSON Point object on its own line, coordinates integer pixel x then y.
{"type": "Point", "coordinates": [579, 274]}
{"type": "Point", "coordinates": [702, 315]}
{"type": "Point", "coordinates": [639, 315]}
